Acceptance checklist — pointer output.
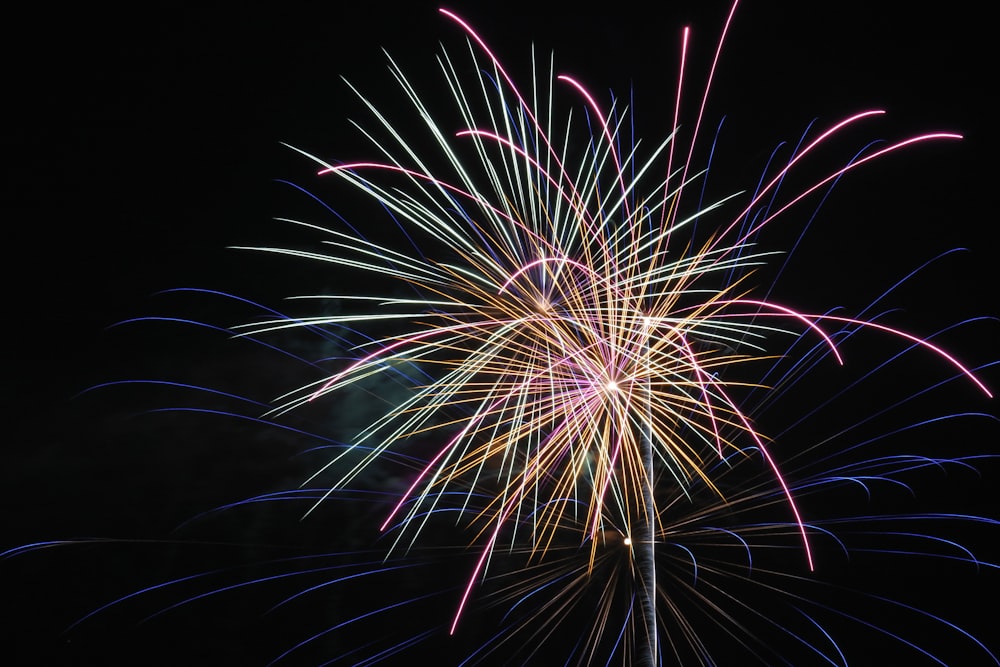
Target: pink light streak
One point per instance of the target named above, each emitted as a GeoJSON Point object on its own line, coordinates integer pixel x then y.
{"type": "Point", "coordinates": [797, 315]}
{"type": "Point", "coordinates": [844, 170]}
{"type": "Point", "coordinates": [704, 99]}
{"type": "Point", "coordinates": [607, 135]}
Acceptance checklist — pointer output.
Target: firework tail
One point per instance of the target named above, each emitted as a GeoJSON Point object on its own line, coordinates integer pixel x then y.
{"type": "Point", "coordinates": [645, 553]}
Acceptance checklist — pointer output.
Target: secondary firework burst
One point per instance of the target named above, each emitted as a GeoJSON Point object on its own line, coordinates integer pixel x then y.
{"type": "Point", "coordinates": [565, 306]}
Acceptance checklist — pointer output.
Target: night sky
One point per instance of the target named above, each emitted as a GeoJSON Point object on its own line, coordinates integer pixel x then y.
{"type": "Point", "coordinates": [139, 143]}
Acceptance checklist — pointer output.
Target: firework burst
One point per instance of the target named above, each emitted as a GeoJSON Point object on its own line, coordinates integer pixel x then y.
{"type": "Point", "coordinates": [581, 357]}
{"type": "Point", "coordinates": [580, 338]}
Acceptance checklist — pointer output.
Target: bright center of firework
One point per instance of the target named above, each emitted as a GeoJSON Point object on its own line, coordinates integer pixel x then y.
{"type": "Point", "coordinates": [628, 541]}
{"type": "Point", "coordinates": [612, 385]}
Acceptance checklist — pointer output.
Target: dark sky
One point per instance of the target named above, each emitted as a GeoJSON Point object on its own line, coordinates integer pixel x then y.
{"type": "Point", "coordinates": [138, 143]}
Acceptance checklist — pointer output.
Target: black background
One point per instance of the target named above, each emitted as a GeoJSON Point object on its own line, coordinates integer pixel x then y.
{"type": "Point", "coordinates": [138, 143]}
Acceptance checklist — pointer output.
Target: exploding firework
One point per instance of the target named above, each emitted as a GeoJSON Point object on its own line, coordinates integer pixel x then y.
{"type": "Point", "coordinates": [577, 335]}
{"type": "Point", "coordinates": [581, 361]}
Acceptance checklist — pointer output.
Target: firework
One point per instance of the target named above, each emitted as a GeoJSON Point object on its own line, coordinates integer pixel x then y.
{"type": "Point", "coordinates": [580, 358]}
{"type": "Point", "coordinates": [579, 336]}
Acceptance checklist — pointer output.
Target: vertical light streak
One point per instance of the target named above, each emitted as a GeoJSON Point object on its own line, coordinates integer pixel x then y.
{"type": "Point", "coordinates": [646, 550]}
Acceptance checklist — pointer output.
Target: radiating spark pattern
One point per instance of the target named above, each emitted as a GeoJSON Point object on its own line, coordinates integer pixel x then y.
{"type": "Point", "coordinates": [558, 310]}
{"type": "Point", "coordinates": [562, 299]}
